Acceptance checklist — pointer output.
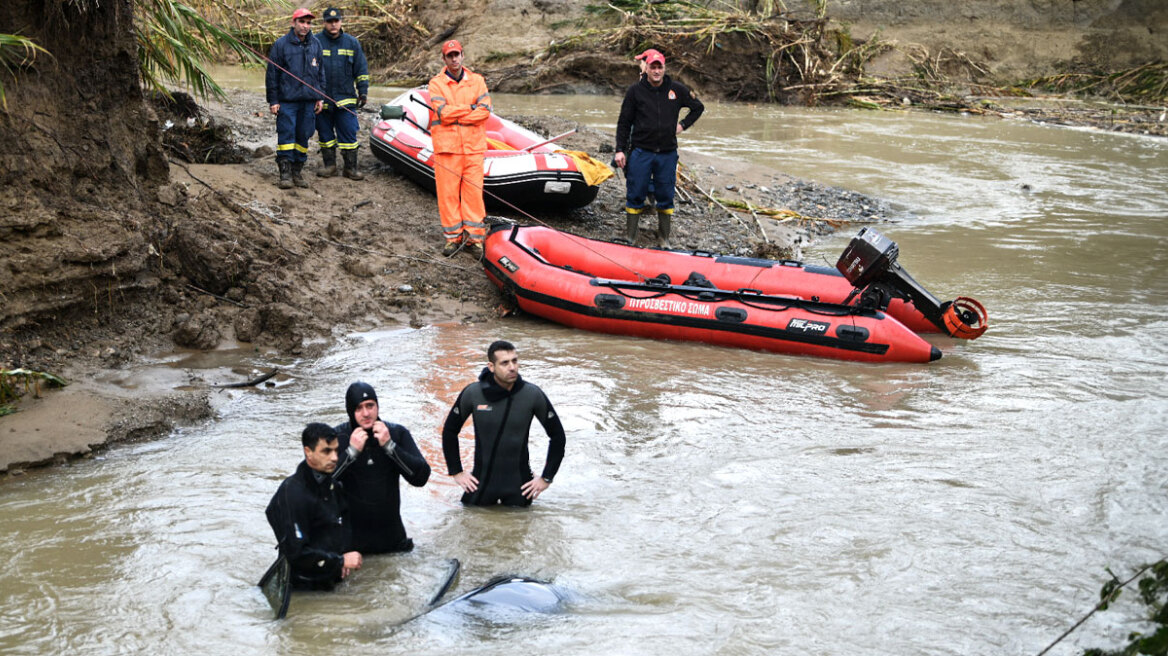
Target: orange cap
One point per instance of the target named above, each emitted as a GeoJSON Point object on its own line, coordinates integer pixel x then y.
{"type": "Point", "coordinates": [451, 46]}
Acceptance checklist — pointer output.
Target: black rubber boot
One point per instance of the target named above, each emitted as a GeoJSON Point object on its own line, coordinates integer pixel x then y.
{"type": "Point", "coordinates": [285, 173]}
{"type": "Point", "coordinates": [664, 227]}
{"type": "Point", "coordinates": [632, 226]}
{"type": "Point", "coordinates": [329, 155]}
{"type": "Point", "coordinates": [351, 171]}
{"type": "Point", "coordinates": [297, 177]}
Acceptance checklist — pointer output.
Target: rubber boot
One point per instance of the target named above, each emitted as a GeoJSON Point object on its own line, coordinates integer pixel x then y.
{"type": "Point", "coordinates": [664, 227]}
{"type": "Point", "coordinates": [285, 173]}
{"type": "Point", "coordinates": [297, 177]}
{"type": "Point", "coordinates": [632, 226]}
{"type": "Point", "coordinates": [351, 171]}
{"type": "Point", "coordinates": [329, 155]}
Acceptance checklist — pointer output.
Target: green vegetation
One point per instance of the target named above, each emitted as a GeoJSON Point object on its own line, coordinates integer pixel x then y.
{"type": "Point", "coordinates": [14, 383]}
{"type": "Point", "coordinates": [1153, 590]}
{"type": "Point", "coordinates": [15, 52]}
{"type": "Point", "coordinates": [1142, 84]}
{"type": "Point", "coordinates": [176, 41]}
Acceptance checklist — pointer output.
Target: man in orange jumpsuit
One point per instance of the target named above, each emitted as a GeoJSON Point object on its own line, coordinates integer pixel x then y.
{"type": "Point", "coordinates": [461, 105]}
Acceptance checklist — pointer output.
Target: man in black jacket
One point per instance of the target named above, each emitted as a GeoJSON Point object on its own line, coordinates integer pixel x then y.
{"type": "Point", "coordinates": [374, 454]}
{"type": "Point", "coordinates": [502, 405]}
{"type": "Point", "coordinates": [308, 516]}
{"type": "Point", "coordinates": [294, 83]}
{"type": "Point", "coordinates": [649, 124]}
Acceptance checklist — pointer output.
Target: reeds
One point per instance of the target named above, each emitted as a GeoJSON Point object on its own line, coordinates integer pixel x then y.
{"type": "Point", "coordinates": [1146, 84]}
{"type": "Point", "coordinates": [16, 52]}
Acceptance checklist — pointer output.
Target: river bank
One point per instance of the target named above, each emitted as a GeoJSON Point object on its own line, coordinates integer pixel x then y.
{"type": "Point", "coordinates": [234, 262]}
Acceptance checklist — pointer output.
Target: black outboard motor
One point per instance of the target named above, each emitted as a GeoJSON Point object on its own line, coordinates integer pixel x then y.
{"type": "Point", "coordinates": [869, 263]}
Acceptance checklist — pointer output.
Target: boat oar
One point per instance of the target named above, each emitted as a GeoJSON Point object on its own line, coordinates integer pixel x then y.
{"type": "Point", "coordinates": [399, 113]}
{"type": "Point", "coordinates": [544, 143]}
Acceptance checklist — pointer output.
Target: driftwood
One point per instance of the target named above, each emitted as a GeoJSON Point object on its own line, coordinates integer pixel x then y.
{"type": "Point", "coordinates": [250, 383]}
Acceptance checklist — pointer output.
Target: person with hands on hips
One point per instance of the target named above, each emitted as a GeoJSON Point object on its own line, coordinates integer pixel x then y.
{"type": "Point", "coordinates": [502, 406]}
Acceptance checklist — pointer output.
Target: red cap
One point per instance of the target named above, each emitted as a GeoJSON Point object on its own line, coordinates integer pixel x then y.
{"type": "Point", "coordinates": [301, 13]}
{"type": "Point", "coordinates": [652, 57]}
{"type": "Point", "coordinates": [451, 46]}
{"type": "Point", "coordinates": [645, 54]}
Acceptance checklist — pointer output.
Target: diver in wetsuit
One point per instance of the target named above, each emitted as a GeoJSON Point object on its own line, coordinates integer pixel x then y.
{"type": "Point", "coordinates": [374, 454]}
{"type": "Point", "coordinates": [502, 405]}
{"type": "Point", "coordinates": [308, 515]}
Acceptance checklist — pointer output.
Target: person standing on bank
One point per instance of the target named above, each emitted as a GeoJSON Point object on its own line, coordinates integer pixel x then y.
{"type": "Point", "coordinates": [461, 105]}
{"type": "Point", "coordinates": [374, 455]}
{"type": "Point", "coordinates": [502, 405]}
{"type": "Point", "coordinates": [348, 79]}
{"type": "Point", "coordinates": [649, 124]}
{"type": "Point", "coordinates": [309, 516]}
{"type": "Point", "coordinates": [294, 83]}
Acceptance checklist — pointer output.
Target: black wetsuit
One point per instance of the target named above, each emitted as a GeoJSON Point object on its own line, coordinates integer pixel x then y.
{"type": "Point", "coordinates": [502, 421]}
{"type": "Point", "coordinates": [308, 515]}
{"type": "Point", "coordinates": [372, 488]}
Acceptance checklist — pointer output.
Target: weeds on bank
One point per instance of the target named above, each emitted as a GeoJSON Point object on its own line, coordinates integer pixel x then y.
{"type": "Point", "coordinates": [16, 52]}
{"type": "Point", "coordinates": [15, 383]}
{"type": "Point", "coordinates": [1142, 84]}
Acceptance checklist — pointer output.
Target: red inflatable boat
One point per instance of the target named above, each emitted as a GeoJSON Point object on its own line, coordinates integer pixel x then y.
{"type": "Point", "coordinates": [520, 167]}
{"type": "Point", "coordinates": [752, 303]}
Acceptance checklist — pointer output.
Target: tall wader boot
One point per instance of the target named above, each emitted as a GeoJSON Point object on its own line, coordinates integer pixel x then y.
{"type": "Point", "coordinates": [329, 155]}
{"type": "Point", "coordinates": [285, 173]}
{"type": "Point", "coordinates": [632, 225]}
{"type": "Point", "coordinates": [664, 227]}
{"type": "Point", "coordinates": [297, 177]}
{"type": "Point", "coordinates": [351, 171]}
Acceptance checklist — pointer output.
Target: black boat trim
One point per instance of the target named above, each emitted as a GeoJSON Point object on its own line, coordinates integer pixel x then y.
{"type": "Point", "coordinates": [779, 334]}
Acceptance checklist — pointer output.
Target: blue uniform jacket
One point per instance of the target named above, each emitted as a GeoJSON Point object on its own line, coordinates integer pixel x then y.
{"type": "Point", "coordinates": [345, 67]}
{"type": "Point", "coordinates": [304, 59]}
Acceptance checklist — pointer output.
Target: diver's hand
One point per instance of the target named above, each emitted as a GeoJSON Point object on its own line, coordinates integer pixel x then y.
{"type": "Point", "coordinates": [466, 481]}
{"type": "Point", "coordinates": [532, 488]}
{"type": "Point", "coordinates": [381, 432]}
{"type": "Point", "coordinates": [357, 438]}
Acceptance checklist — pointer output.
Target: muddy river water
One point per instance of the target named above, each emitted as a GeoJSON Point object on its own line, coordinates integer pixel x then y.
{"type": "Point", "coordinates": [712, 500]}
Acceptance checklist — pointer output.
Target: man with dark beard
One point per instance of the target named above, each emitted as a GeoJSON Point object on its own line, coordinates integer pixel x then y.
{"type": "Point", "coordinates": [374, 454]}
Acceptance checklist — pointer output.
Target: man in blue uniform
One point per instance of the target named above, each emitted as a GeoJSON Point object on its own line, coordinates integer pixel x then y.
{"type": "Point", "coordinates": [348, 87]}
{"type": "Point", "coordinates": [375, 456]}
{"type": "Point", "coordinates": [649, 124]}
{"type": "Point", "coordinates": [308, 514]}
{"type": "Point", "coordinates": [502, 405]}
{"type": "Point", "coordinates": [295, 82]}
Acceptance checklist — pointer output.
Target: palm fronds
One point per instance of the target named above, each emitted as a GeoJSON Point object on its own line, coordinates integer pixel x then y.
{"type": "Point", "coordinates": [175, 42]}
